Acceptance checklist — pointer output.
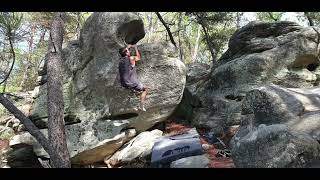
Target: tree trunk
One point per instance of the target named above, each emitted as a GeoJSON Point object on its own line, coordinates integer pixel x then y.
{"type": "Point", "coordinates": [187, 41]}
{"type": "Point", "coordinates": [56, 129]}
{"type": "Point", "coordinates": [272, 17]}
{"type": "Point", "coordinates": [28, 63]}
{"type": "Point", "coordinates": [43, 33]}
{"type": "Point", "coordinates": [13, 61]}
{"type": "Point", "coordinates": [180, 45]}
{"type": "Point", "coordinates": [238, 20]}
{"type": "Point", "coordinates": [78, 25]}
{"type": "Point", "coordinates": [150, 27]}
{"type": "Point", "coordinates": [167, 28]}
{"type": "Point", "coordinates": [209, 43]}
{"type": "Point", "coordinates": [196, 46]}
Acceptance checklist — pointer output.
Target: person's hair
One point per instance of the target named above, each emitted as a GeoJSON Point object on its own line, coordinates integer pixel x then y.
{"type": "Point", "coordinates": [122, 52]}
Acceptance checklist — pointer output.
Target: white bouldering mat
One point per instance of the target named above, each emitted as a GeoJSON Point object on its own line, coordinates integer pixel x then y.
{"type": "Point", "coordinates": [168, 149]}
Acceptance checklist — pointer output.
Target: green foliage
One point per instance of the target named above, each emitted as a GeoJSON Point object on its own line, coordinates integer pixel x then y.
{"type": "Point", "coordinates": [6, 134]}
{"type": "Point", "coordinates": [217, 28]}
{"type": "Point", "coordinates": [3, 111]}
{"type": "Point", "coordinates": [269, 16]}
{"type": "Point", "coordinates": [10, 23]}
{"type": "Point", "coordinates": [314, 16]}
{"type": "Point", "coordinates": [73, 24]}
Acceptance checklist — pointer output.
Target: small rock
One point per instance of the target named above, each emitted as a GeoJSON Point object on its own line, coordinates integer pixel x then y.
{"type": "Point", "coordinates": [205, 147]}
{"type": "Point", "coordinates": [21, 128]}
{"type": "Point", "coordinates": [201, 161]}
{"type": "Point", "coordinates": [15, 126]}
{"type": "Point", "coordinates": [15, 121]}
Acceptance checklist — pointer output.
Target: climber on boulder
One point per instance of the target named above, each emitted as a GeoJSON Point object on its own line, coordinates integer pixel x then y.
{"type": "Point", "coordinates": [128, 74]}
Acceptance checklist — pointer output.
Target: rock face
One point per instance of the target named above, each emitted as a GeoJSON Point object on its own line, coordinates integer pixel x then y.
{"type": "Point", "coordinates": [279, 128]}
{"type": "Point", "coordinates": [282, 53]}
{"type": "Point", "coordinates": [92, 92]}
{"type": "Point", "coordinates": [197, 75]}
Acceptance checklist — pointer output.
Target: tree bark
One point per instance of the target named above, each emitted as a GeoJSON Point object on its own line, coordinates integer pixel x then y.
{"type": "Point", "coordinates": [167, 28]}
{"type": "Point", "coordinates": [56, 129]}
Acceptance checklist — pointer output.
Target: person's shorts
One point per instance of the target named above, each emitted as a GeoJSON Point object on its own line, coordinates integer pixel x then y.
{"type": "Point", "coordinates": [137, 88]}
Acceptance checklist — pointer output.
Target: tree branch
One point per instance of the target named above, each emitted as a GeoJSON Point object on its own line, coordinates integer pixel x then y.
{"type": "Point", "coordinates": [167, 28]}
{"type": "Point", "coordinates": [272, 17]}
{"type": "Point", "coordinates": [310, 20]}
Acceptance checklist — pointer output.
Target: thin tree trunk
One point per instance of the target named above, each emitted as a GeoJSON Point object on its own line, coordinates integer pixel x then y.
{"type": "Point", "coordinates": [310, 20]}
{"type": "Point", "coordinates": [272, 17]}
{"type": "Point", "coordinates": [28, 63]}
{"type": "Point", "coordinates": [167, 28]}
{"type": "Point", "coordinates": [195, 52]}
{"type": "Point", "coordinates": [209, 43]}
{"type": "Point", "coordinates": [78, 24]}
{"type": "Point", "coordinates": [11, 68]}
{"type": "Point", "coordinates": [56, 129]}
{"type": "Point", "coordinates": [5, 83]}
{"type": "Point", "coordinates": [238, 20]}
{"type": "Point", "coordinates": [150, 27]}
{"type": "Point", "coordinates": [186, 38]}
{"type": "Point", "coordinates": [43, 33]}
{"type": "Point", "coordinates": [180, 45]}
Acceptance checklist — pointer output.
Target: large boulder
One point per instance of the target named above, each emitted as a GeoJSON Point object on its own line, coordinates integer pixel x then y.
{"type": "Point", "coordinates": [82, 151]}
{"type": "Point", "coordinates": [259, 53]}
{"type": "Point", "coordinates": [96, 106]}
{"type": "Point", "coordinates": [22, 156]}
{"type": "Point", "coordinates": [274, 146]}
{"type": "Point", "coordinates": [280, 128]}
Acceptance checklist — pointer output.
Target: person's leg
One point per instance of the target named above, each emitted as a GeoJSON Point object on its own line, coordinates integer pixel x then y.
{"type": "Point", "coordinates": [143, 96]}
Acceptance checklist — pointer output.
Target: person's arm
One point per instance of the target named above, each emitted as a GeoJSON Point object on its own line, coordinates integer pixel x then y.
{"type": "Point", "coordinates": [137, 57]}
